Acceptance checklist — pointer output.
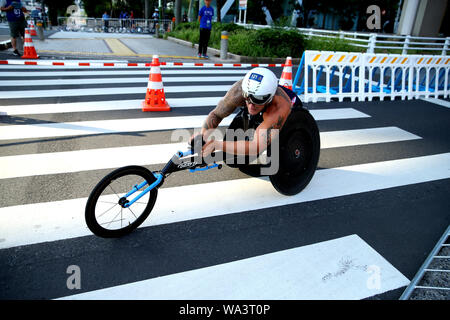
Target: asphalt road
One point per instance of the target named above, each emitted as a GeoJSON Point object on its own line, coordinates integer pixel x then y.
{"type": "Point", "coordinates": [373, 211]}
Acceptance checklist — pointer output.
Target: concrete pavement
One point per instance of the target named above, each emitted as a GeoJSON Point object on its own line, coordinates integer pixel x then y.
{"type": "Point", "coordinates": [97, 45]}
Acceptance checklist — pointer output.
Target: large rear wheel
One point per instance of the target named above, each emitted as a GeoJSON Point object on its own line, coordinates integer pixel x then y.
{"type": "Point", "coordinates": [299, 153]}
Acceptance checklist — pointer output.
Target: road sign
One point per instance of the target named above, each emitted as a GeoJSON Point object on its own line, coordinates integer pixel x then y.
{"type": "Point", "coordinates": [242, 4]}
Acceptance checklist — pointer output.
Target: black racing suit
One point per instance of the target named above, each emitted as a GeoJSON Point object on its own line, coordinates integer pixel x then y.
{"type": "Point", "coordinates": [243, 120]}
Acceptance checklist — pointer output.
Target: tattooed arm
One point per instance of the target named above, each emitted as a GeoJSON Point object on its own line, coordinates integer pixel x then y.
{"type": "Point", "coordinates": [225, 107]}
{"type": "Point", "coordinates": [274, 119]}
{"type": "Point", "coordinates": [264, 134]}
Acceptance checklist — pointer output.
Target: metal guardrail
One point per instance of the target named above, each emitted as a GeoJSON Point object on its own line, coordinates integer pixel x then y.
{"type": "Point", "coordinates": [425, 268]}
{"type": "Point", "coordinates": [374, 41]}
{"type": "Point", "coordinates": [114, 25]}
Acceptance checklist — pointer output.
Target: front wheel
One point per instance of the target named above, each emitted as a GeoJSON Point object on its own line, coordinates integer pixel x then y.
{"type": "Point", "coordinates": [107, 214]}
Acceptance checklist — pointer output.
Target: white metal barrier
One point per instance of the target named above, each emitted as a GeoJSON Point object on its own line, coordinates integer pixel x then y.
{"type": "Point", "coordinates": [326, 75]}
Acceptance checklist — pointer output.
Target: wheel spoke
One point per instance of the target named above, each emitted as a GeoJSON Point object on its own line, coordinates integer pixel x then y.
{"type": "Point", "coordinates": [109, 222]}
{"type": "Point", "coordinates": [107, 210]}
{"type": "Point", "coordinates": [115, 217]}
{"type": "Point", "coordinates": [109, 185]}
{"type": "Point", "coordinates": [132, 212]}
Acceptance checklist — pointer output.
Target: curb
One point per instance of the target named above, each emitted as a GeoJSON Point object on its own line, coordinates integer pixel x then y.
{"type": "Point", "coordinates": [231, 57]}
{"type": "Point", "coordinates": [211, 51]}
{"type": "Point", "coordinates": [5, 44]}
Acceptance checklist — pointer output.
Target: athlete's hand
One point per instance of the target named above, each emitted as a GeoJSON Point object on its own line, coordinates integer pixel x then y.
{"type": "Point", "coordinates": [196, 142]}
{"type": "Point", "coordinates": [208, 148]}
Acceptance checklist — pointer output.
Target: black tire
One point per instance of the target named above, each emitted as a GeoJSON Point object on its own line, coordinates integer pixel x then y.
{"type": "Point", "coordinates": [90, 211]}
{"type": "Point", "coordinates": [299, 153]}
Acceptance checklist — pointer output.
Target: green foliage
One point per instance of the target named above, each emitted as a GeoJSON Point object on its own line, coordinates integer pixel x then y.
{"type": "Point", "coordinates": [270, 42]}
{"type": "Point", "coordinates": [331, 44]}
{"type": "Point", "coordinates": [282, 22]}
{"type": "Point", "coordinates": [57, 8]}
{"type": "Point", "coordinates": [275, 42]}
{"type": "Point", "coordinates": [96, 8]}
{"type": "Point", "coordinates": [229, 27]}
{"type": "Point", "coordinates": [191, 26]}
{"type": "Point", "coordinates": [255, 13]}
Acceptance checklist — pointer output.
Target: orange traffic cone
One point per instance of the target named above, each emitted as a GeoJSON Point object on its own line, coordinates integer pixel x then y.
{"type": "Point", "coordinates": [29, 52]}
{"type": "Point", "coordinates": [32, 29]}
{"type": "Point", "coordinates": [286, 76]}
{"type": "Point", "coordinates": [155, 99]}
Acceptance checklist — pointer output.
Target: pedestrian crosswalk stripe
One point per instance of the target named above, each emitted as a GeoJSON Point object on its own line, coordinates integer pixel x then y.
{"type": "Point", "coordinates": [59, 82]}
{"type": "Point", "coordinates": [338, 269]}
{"type": "Point", "coordinates": [40, 130]}
{"type": "Point", "coordinates": [346, 138]}
{"type": "Point", "coordinates": [94, 159]}
{"type": "Point", "coordinates": [102, 126]}
{"type": "Point", "coordinates": [335, 113]}
{"type": "Point", "coordinates": [439, 102]}
{"type": "Point", "coordinates": [128, 72]}
{"type": "Point", "coordinates": [107, 91]}
{"type": "Point", "coordinates": [65, 219]}
{"type": "Point", "coordinates": [103, 106]}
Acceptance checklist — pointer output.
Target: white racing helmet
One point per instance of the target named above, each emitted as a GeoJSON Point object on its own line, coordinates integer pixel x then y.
{"type": "Point", "coordinates": [259, 86]}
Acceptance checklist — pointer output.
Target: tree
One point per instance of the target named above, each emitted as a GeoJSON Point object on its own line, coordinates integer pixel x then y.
{"type": "Point", "coordinates": [177, 11]}
{"type": "Point", "coordinates": [95, 8]}
{"type": "Point", "coordinates": [255, 13]}
{"type": "Point", "coordinates": [57, 8]}
{"type": "Point", "coordinates": [219, 6]}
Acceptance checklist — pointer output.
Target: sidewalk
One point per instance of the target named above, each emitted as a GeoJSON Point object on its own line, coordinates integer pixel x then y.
{"type": "Point", "coordinates": [5, 39]}
{"type": "Point", "coordinates": [128, 46]}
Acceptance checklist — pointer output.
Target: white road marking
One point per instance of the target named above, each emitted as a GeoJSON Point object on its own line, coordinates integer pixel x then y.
{"type": "Point", "coordinates": [40, 130]}
{"type": "Point", "coordinates": [101, 127]}
{"type": "Point", "coordinates": [336, 139]}
{"type": "Point", "coordinates": [56, 82]}
{"type": "Point", "coordinates": [102, 106]}
{"type": "Point", "coordinates": [130, 71]}
{"type": "Point", "coordinates": [65, 219]}
{"type": "Point", "coordinates": [106, 91]}
{"type": "Point", "coordinates": [440, 102]}
{"type": "Point", "coordinates": [339, 269]}
{"type": "Point", "coordinates": [94, 159]}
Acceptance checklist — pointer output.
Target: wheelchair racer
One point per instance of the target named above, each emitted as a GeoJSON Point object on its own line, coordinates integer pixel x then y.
{"type": "Point", "coordinates": [267, 106]}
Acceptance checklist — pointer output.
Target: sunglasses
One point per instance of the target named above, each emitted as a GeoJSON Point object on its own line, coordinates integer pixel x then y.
{"type": "Point", "coordinates": [257, 99]}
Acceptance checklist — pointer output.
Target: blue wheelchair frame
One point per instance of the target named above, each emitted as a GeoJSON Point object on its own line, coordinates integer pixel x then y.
{"type": "Point", "coordinates": [169, 168]}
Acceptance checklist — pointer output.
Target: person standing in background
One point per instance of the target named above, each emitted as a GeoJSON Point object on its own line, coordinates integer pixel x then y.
{"type": "Point", "coordinates": [16, 20]}
{"type": "Point", "coordinates": [125, 19]}
{"type": "Point", "coordinates": [121, 19]}
{"type": "Point", "coordinates": [155, 17]}
{"type": "Point", "coordinates": [205, 16]}
{"type": "Point", "coordinates": [132, 20]}
{"type": "Point", "coordinates": [105, 18]}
